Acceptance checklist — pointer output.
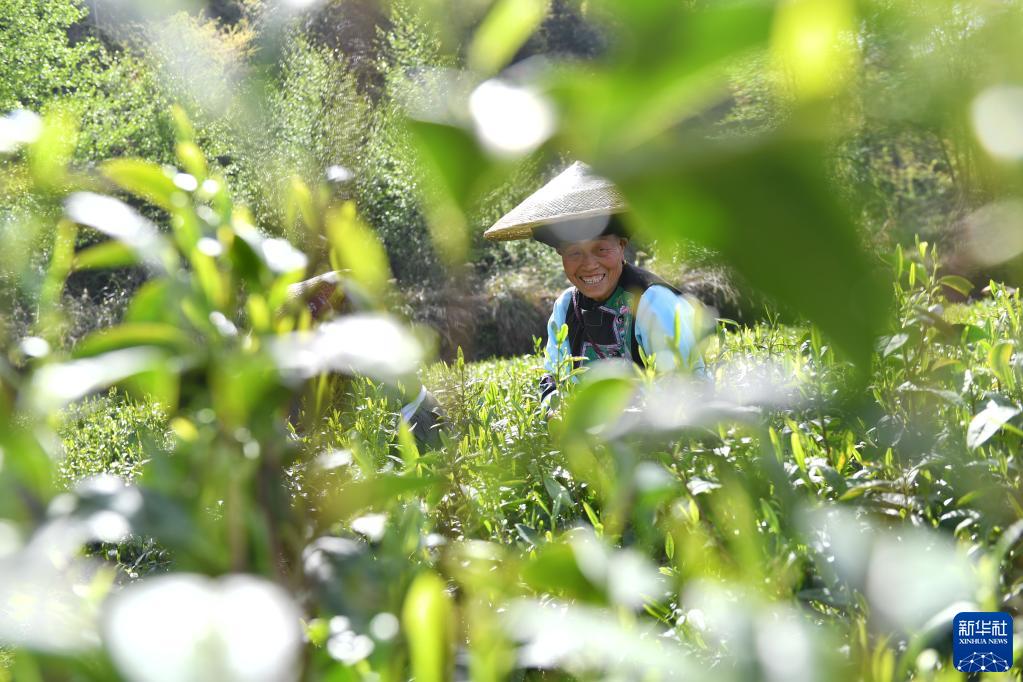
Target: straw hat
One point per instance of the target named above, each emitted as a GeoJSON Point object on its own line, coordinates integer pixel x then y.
{"type": "Point", "coordinates": [577, 193]}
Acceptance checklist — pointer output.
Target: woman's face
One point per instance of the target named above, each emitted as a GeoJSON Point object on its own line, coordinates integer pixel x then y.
{"type": "Point", "coordinates": [594, 266]}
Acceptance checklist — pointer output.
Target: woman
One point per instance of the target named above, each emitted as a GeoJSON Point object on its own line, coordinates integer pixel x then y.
{"type": "Point", "coordinates": [613, 309]}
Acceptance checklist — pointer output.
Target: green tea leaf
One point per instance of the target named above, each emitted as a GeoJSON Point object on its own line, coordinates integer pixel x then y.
{"type": "Point", "coordinates": [596, 405]}
{"type": "Point", "coordinates": [554, 569]}
{"type": "Point", "coordinates": [957, 283]}
{"type": "Point", "coordinates": [428, 618]}
{"type": "Point", "coordinates": [506, 27]}
{"type": "Point", "coordinates": [557, 492]}
{"type": "Point", "coordinates": [797, 451]}
{"type": "Point", "coordinates": [192, 160]}
{"type": "Point", "coordinates": [152, 303]}
{"type": "Point", "coordinates": [358, 249]}
{"type": "Point", "coordinates": [108, 254]}
{"type": "Point", "coordinates": [988, 422]}
{"type": "Point", "coordinates": [528, 535]}
{"type": "Point", "coordinates": [144, 179]}
{"type": "Point", "coordinates": [132, 334]}
{"type": "Point", "coordinates": [58, 384]}
{"type": "Point", "coordinates": [51, 152]}
{"type": "Point", "coordinates": [999, 358]}
{"type": "Point", "coordinates": [456, 167]}
{"type": "Point", "coordinates": [116, 219]}
{"type": "Point", "coordinates": [374, 493]}
{"type": "Point", "coordinates": [894, 343]}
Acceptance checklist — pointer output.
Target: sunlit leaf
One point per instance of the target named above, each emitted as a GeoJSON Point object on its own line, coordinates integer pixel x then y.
{"type": "Point", "coordinates": [428, 619]}
{"type": "Point", "coordinates": [813, 43]}
{"type": "Point", "coordinates": [597, 405]}
{"type": "Point", "coordinates": [372, 345]}
{"type": "Point", "coordinates": [1009, 539]}
{"type": "Point", "coordinates": [55, 385]}
{"type": "Point", "coordinates": [17, 128]}
{"type": "Point", "coordinates": [554, 569]}
{"type": "Point", "coordinates": [240, 385]}
{"type": "Point", "coordinates": [373, 493]}
{"type": "Point", "coordinates": [119, 221]}
{"type": "Point", "coordinates": [558, 493]}
{"type": "Point", "coordinates": [894, 343]}
{"type": "Point", "coordinates": [674, 403]}
{"type": "Point", "coordinates": [950, 397]}
{"type": "Point", "coordinates": [183, 128]}
{"type": "Point", "coordinates": [51, 151]}
{"type": "Point", "coordinates": [299, 202]}
{"type": "Point", "coordinates": [108, 254]}
{"type": "Point", "coordinates": [505, 28]}
{"type": "Point", "coordinates": [668, 68]}
{"type": "Point", "coordinates": [132, 334]}
{"type": "Point", "coordinates": [797, 450]}
{"type": "Point", "coordinates": [277, 254]}
{"type": "Point", "coordinates": [236, 629]}
{"type": "Point", "coordinates": [50, 320]}
{"type": "Point", "coordinates": [357, 249]}
{"type": "Point", "coordinates": [999, 358]}
{"type": "Point", "coordinates": [909, 576]}
{"type": "Point", "coordinates": [972, 334]}
{"type": "Point", "coordinates": [192, 160]}
{"type": "Point", "coordinates": [987, 423]}
{"type": "Point", "coordinates": [528, 535]}
{"type": "Point", "coordinates": [957, 283]}
{"type": "Point", "coordinates": [626, 577]}
{"type": "Point", "coordinates": [456, 165]}
{"type": "Point", "coordinates": [43, 587]}
{"type": "Point", "coordinates": [589, 640]}
{"type": "Point", "coordinates": [144, 179]}
{"type": "Point", "coordinates": [407, 446]}
{"type": "Point", "coordinates": [151, 303]}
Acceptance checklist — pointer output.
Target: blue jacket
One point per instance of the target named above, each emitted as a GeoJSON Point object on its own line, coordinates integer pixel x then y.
{"type": "Point", "coordinates": [658, 307]}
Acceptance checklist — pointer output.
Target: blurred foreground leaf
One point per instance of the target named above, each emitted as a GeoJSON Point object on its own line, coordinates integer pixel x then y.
{"type": "Point", "coordinates": [503, 31]}
{"type": "Point", "coordinates": [236, 629]}
{"type": "Point", "coordinates": [375, 493]}
{"type": "Point", "coordinates": [144, 179]}
{"type": "Point", "coordinates": [589, 640]}
{"type": "Point", "coordinates": [428, 620]}
{"type": "Point", "coordinates": [130, 335]}
{"type": "Point", "coordinates": [374, 345]}
{"type": "Point", "coordinates": [119, 221]}
{"type": "Point", "coordinates": [771, 213]}
{"type": "Point", "coordinates": [56, 385]}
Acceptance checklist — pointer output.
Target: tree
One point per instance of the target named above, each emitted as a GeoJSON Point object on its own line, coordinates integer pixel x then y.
{"type": "Point", "coordinates": [39, 60]}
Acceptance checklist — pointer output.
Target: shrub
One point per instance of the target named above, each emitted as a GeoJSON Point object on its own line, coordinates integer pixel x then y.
{"type": "Point", "coordinates": [315, 119]}
{"type": "Point", "coordinates": [112, 434]}
{"type": "Point", "coordinates": [124, 112]}
{"type": "Point", "coordinates": [39, 61]}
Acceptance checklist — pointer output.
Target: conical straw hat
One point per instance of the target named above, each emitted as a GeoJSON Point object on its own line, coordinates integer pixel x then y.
{"type": "Point", "coordinates": [576, 193]}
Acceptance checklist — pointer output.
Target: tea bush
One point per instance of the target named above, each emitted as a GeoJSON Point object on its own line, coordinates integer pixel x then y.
{"type": "Point", "coordinates": [937, 424]}
{"type": "Point", "coordinates": [821, 508]}
{"type": "Point", "coordinates": [112, 434]}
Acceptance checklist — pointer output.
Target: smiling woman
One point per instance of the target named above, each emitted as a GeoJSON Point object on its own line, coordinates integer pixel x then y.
{"type": "Point", "coordinates": [594, 266]}
{"type": "Point", "coordinates": [613, 309]}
